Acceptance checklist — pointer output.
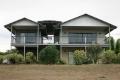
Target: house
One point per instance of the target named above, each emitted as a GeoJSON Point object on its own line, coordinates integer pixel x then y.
{"type": "Point", "coordinates": [77, 33]}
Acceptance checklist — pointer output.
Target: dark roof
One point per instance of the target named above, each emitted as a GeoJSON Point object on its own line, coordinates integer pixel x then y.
{"type": "Point", "coordinates": [20, 20]}
{"type": "Point", "coordinates": [111, 25]}
{"type": "Point", "coordinates": [49, 22]}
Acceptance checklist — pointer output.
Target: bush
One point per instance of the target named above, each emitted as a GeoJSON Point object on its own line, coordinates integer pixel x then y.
{"type": "Point", "coordinates": [49, 55]}
{"type": "Point", "coordinates": [93, 52]}
{"type": "Point", "coordinates": [1, 59]}
{"type": "Point", "coordinates": [61, 62]}
{"type": "Point", "coordinates": [15, 58]}
{"type": "Point", "coordinates": [12, 51]}
{"type": "Point", "coordinates": [79, 57]}
{"type": "Point", "coordinates": [30, 58]}
{"type": "Point", "coordinates": [109, 56]}
{"type": "Point", "coordinates": [118, 58]}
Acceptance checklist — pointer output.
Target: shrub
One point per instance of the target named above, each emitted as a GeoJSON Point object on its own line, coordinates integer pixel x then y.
{"type": "Point", "coordinates": [15, 58]}
{"type": "Point", "coordinates": [61, 62]}
{"type": "Point", "coordinates": [109, 56]}
{"type": "Point", "coordinates": [1, 59]}
{"type": "Point", "coordinates": [79, 57]}
{"type": "Point", "coordinates": [12, 51]}
{"type": "Point", "coordinates": [93, 52]}
{"type": "Point", "coordinates": [49, 55]}
{"type": "Point", "coordinates": [117, 49]}
{"type": "Point", "coordinates": [30, 58]}
{"type": "Point", "coordinates": [118, 58]}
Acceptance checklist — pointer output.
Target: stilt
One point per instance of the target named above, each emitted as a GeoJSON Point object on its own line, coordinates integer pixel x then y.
{"type": "Point", "coordinates": [24, 49]}
{"type": "Point", "coordinates": [38, 42]}
{"type": "Point", "coordinates": [109, 39]}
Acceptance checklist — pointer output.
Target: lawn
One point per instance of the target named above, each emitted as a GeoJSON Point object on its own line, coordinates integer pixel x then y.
{"type": "Point", "coordinates": [60, 72]}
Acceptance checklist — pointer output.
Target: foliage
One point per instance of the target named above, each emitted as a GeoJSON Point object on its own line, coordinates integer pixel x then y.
{"type": "Point", "coordinates": [118, 58]}
{"type": "Point", "coordinates": [12, 51]}
{"type": "Point", "coordinates": [30, 58]}
{"type": "Point", "coordinates": [117, 50]}
{"type": "Point", "coordinates": [61, 62]}
{"type": "Point", "coordinates": [2, 53]}
{"type": "Point", "coordinates": [112, 43]}
{"type": "Point", "coordinates": [1, 59]}
{"type": "Point", "coordinates": [109, 56]}
{"type": "Point", "coordinates": [49, 55]}
{"type": "Point", "coordinates": [79, 57]}
{"type": "Point", "coordinates": [15, 58]}
{"type": "Point", "coordinates": [93, 52]}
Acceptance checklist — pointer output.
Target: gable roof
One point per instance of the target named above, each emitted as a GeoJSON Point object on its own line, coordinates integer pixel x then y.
{"type": "Point", "coordinates": [111, 25]}
{"type": "Point", "coordinates": [19, 21]}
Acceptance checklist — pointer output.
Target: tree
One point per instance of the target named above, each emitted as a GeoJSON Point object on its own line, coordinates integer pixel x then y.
{"type": "Point", "coordinates": [49, 55]}
{"type": "Point", "coordinates": [111, 42]}
{"type": "Point", "coordinates": [117, 49]}
{"type": "Point", "coordinates": [93, 52]}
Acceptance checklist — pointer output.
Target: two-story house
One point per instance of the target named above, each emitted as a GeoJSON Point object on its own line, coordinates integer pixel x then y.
{"type": "Point", "coordinates": [77, 33]}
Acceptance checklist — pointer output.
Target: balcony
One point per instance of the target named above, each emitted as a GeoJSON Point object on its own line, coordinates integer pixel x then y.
{"type": "Point", "coordinates": [56, 40]}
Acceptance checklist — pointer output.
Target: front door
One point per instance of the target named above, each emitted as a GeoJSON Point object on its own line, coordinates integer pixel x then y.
{"type": "Point", "coordinates": [70, 58]}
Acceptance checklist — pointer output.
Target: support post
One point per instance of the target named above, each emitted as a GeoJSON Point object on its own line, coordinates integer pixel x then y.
{"type": "Point", "coordinates": [85, 44]}
{"type": "Point", "coordinates": [109, 39]}
{"type": "Point", "coordinates": [11, 37]}
{"type": "Point", "coordinates": [61, 43]}
{"type": "Point", "coordinates": [37, 42]}
{"type": "Point", "coordinates": [24, 48]}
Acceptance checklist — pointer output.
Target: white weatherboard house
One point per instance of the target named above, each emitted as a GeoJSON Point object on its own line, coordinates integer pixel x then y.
{"type": "Point", "coordinates": [77, 33]}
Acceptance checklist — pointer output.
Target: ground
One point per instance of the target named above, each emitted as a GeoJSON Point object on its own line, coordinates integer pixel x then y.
{"type": "Point", "coordinates": [60, 72]}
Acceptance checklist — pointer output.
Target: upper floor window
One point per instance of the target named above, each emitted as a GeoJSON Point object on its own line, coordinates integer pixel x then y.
{"type": "Point", "coordinates": [82, 38]}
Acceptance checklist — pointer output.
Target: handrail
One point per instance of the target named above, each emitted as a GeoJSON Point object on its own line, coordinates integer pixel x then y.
{"type": "Point", "coordinates": [56, 40]}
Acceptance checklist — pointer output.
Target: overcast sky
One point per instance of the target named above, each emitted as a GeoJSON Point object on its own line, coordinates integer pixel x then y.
{"type": "Point", "coordinates": [62, 10]}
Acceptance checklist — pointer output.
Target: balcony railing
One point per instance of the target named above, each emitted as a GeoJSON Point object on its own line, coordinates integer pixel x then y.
{"type": "Point", "coordinates": [56, 40]}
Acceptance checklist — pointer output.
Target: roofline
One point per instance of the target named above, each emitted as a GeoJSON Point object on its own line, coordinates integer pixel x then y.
{"type": "Point", "coordinates": [19, 20]}
{"type": "Point", "coordinates": [111, 25]}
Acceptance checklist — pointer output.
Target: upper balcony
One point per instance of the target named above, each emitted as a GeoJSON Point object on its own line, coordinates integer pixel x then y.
{"type": "Point", "coordinates": [65, 41]}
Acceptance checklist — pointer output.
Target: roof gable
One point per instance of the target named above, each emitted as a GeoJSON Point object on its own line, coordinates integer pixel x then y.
{"type": "Point", "coordinates": [22, 22]}
{"type": "Point", "coordinates": [86, 20]}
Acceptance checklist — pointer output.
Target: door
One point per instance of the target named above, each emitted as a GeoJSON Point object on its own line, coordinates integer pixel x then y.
{"type": "Point", "coordinates": [70, 58]}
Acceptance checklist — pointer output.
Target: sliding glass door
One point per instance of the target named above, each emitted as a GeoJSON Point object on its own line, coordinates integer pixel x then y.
{"type": "Point", "coordinates": [82, 38]}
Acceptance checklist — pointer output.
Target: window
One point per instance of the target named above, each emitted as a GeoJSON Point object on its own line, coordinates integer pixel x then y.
{"type": "Point", "coordinates": [30, 38]}
{"type": "Point", "coordinates": [75, 38]}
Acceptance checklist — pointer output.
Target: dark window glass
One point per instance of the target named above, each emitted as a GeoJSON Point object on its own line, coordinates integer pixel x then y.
{"type": "Point", "coordinates": [82, 38]}
{"type": "Point", "coordinates": [30, 37]}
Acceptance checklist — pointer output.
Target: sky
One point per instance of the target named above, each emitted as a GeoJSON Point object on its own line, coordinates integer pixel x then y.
{"type": "Point", "coordinates": [62, 10]}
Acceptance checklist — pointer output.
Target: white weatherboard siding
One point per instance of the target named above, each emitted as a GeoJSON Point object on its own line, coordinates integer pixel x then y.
{"type": "Point", "coordinates": [84, 21]}
{"type": "Point", "coordinates": [24, 23]}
